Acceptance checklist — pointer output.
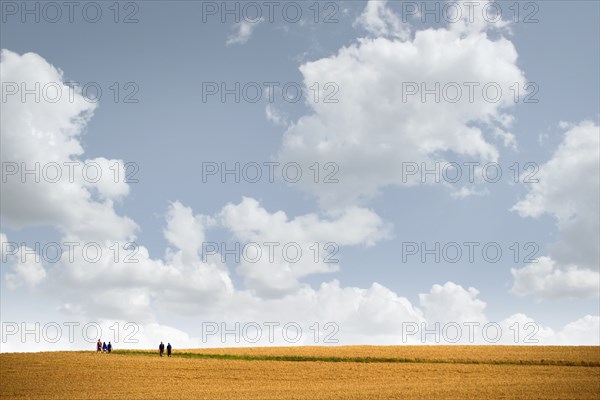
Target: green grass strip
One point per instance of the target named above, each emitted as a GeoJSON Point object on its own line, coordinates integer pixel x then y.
{"type": "Point", "coordinates": [361, 359]}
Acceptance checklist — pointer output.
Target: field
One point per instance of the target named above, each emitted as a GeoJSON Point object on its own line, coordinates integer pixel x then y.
{"type": "Point", "coordinates": [355, 372]}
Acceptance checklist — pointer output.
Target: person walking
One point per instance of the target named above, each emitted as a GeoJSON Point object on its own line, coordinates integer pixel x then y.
{"type": "Point", "coordinates": [99, 346]}
{"type": "Point", "coordinates": [109, 347]}
{"type": "Point", "coordinates": [104, 348]}
{"type": "Point", "coordinates": [161, 348]}
{"type": "Point", "coordinates": [169, 347]}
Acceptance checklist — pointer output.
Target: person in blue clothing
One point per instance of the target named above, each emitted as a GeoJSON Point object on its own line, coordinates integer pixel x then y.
{"type": "Point", "coordinates": [169, 347]}
{"type": "Point", "coordinates": [109, 347]}
{"type": "Point", "coordinates": [104, 348]}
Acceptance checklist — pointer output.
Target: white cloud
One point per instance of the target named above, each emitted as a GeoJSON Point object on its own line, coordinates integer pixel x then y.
{"type": "Point", "coordinates": [572, 168]}
{"type": "Point", "coordinates": [138, 286]}
{"type": "Point", "coordinates": [461, 318]}
{"type": "Point", "coordinates": [186, 231]}
{"type": "Point", "coordinates": [584, 331]}
{"type": "Point", "coordinates": [452, 303]}
{"type": "Point", "coordinates": [26, 268]}
{"type": "Point", "coordinates": [478, 17]}
{"type": "Point", "coordinates": [546, 279]}
{"type": "Point", "coordinates": [250, 223]}
{"type": "Point", "coordinates": [350, 227]}
{"type": "Point", "coordinates": [275, 116]}
{"type": "Point", "coordinates": [521, 329]}
{"type": "Point", "coordinates": [567, 190]}
{"type": "Point", "coordinates": [243, 31]}
{"type": "Point", "coordinates": [467, 191]}
{"type": "Point", "coordinates": [45, 134]}
{"type": "Point", "coordinates": [185, 283]}
{"type": "Point", "coordinates": [509, 139]}
{"type": "Point", "coordinates": [379, 20]}
{"type": "Point", "coordinates": [376, 125]}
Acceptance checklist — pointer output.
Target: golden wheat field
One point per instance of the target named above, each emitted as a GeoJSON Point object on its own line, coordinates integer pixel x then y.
{"type": "Point", "coordinates": [354, 372]}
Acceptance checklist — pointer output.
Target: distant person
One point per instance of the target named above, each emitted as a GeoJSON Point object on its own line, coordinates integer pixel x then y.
{"type": "Point", "coordinates": [109, 347]}
{"type": "Point", "coordinates": [161, 348]}
{"type": "Point", "coordinates": [104, 348]}
{"type": "Point", "coordinates": [169, 347]}
{"type": "Point", "coordinates": [99, 346]}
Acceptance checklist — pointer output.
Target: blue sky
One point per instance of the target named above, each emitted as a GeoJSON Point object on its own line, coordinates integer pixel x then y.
{"type": "Point", "coordinates": [370, 54]}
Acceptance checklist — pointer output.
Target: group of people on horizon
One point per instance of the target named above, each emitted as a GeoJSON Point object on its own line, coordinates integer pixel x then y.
{"type": "Point", "coordinates": [107, 348]}
{"type": "Point", "coordinates": [103, 347]}
{"type": "Point", "coordinates": [161, 349]}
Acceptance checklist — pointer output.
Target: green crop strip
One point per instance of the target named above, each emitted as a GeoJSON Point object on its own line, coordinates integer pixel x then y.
{"type": "Point", "coordinates": [361, 359]}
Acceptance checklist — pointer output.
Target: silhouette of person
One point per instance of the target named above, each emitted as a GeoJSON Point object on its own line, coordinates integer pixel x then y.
{"type": "Point", "coordinates": [109, 347]}
{"type": "Point", "coordinates": [161, 348]}
{"type": "Point", "coordinates": [104, 348]}
{"type": "Point", "coordinates": [169, 347]}
{"type": "Point", "coordinates": [99, 346]}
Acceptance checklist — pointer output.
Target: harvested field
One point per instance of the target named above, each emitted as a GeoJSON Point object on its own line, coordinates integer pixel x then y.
{"type": "Point", "coordinates": [356, 372]}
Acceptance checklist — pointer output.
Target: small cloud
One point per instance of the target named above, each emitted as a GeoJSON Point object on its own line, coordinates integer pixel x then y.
{"type": "Point", "coordinates": [508, 138]}
{"type": "Point", "coordinates": [466, 191]}
{"type": "Point", "coordinates": [565, 125]}
{"type": "Point", "coordinates": [243, 31]}
{"type": "Point", "coordinates": [275, 116]}
{"type": "Point", "coordinates": [71, 309]}
{"type": "Point", "coordinates": [379, 20]}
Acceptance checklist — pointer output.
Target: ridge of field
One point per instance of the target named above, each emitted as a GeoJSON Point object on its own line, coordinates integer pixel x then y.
{"type": "Point", "coordinates": [137, 375]}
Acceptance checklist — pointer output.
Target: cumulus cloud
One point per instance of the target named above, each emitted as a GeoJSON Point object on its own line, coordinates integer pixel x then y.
{"type": "Point", "coordinates": [65, 190]}
{"type": "Point", "coordinates": [383, 114]}
{"type": "Point", "coordinates": [25, 267]}
{"type": "Point", "coordinates": [584, 331]}
{"type": "Point", "coordinates": [546, 279]}
{"type": "Point", "coordinates": [302, 242]}
{"type": "Point", "coordinates": [453, 314]}
{"type": "Point", "coordinates": [137, 284]}
{"type": "Point", "coordinates": [186, 231]}
{"type": "Point", "coordinates": [568, 191]}
{"type": "Point", "coordinates": [452, 303]}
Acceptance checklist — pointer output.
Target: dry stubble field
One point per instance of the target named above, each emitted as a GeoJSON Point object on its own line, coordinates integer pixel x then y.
{"type": "Point", "coordinates": [356, 372]}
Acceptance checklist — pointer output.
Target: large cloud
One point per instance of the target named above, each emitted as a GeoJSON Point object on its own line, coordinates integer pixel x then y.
{"type": "Point", "coordinates": [376, 125]}
{"type": "Point", "coordinates": [568, 191]}
{"type": "Point", "coordinates": [314, 236]}
{"type": "Point", "coordinates": [45, 133]}
{"type": "Point", "coordinates": [330, 314]}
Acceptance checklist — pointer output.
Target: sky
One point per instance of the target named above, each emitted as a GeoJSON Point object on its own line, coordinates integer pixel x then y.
{"type": "Point", "coordinates": [222, 174]}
